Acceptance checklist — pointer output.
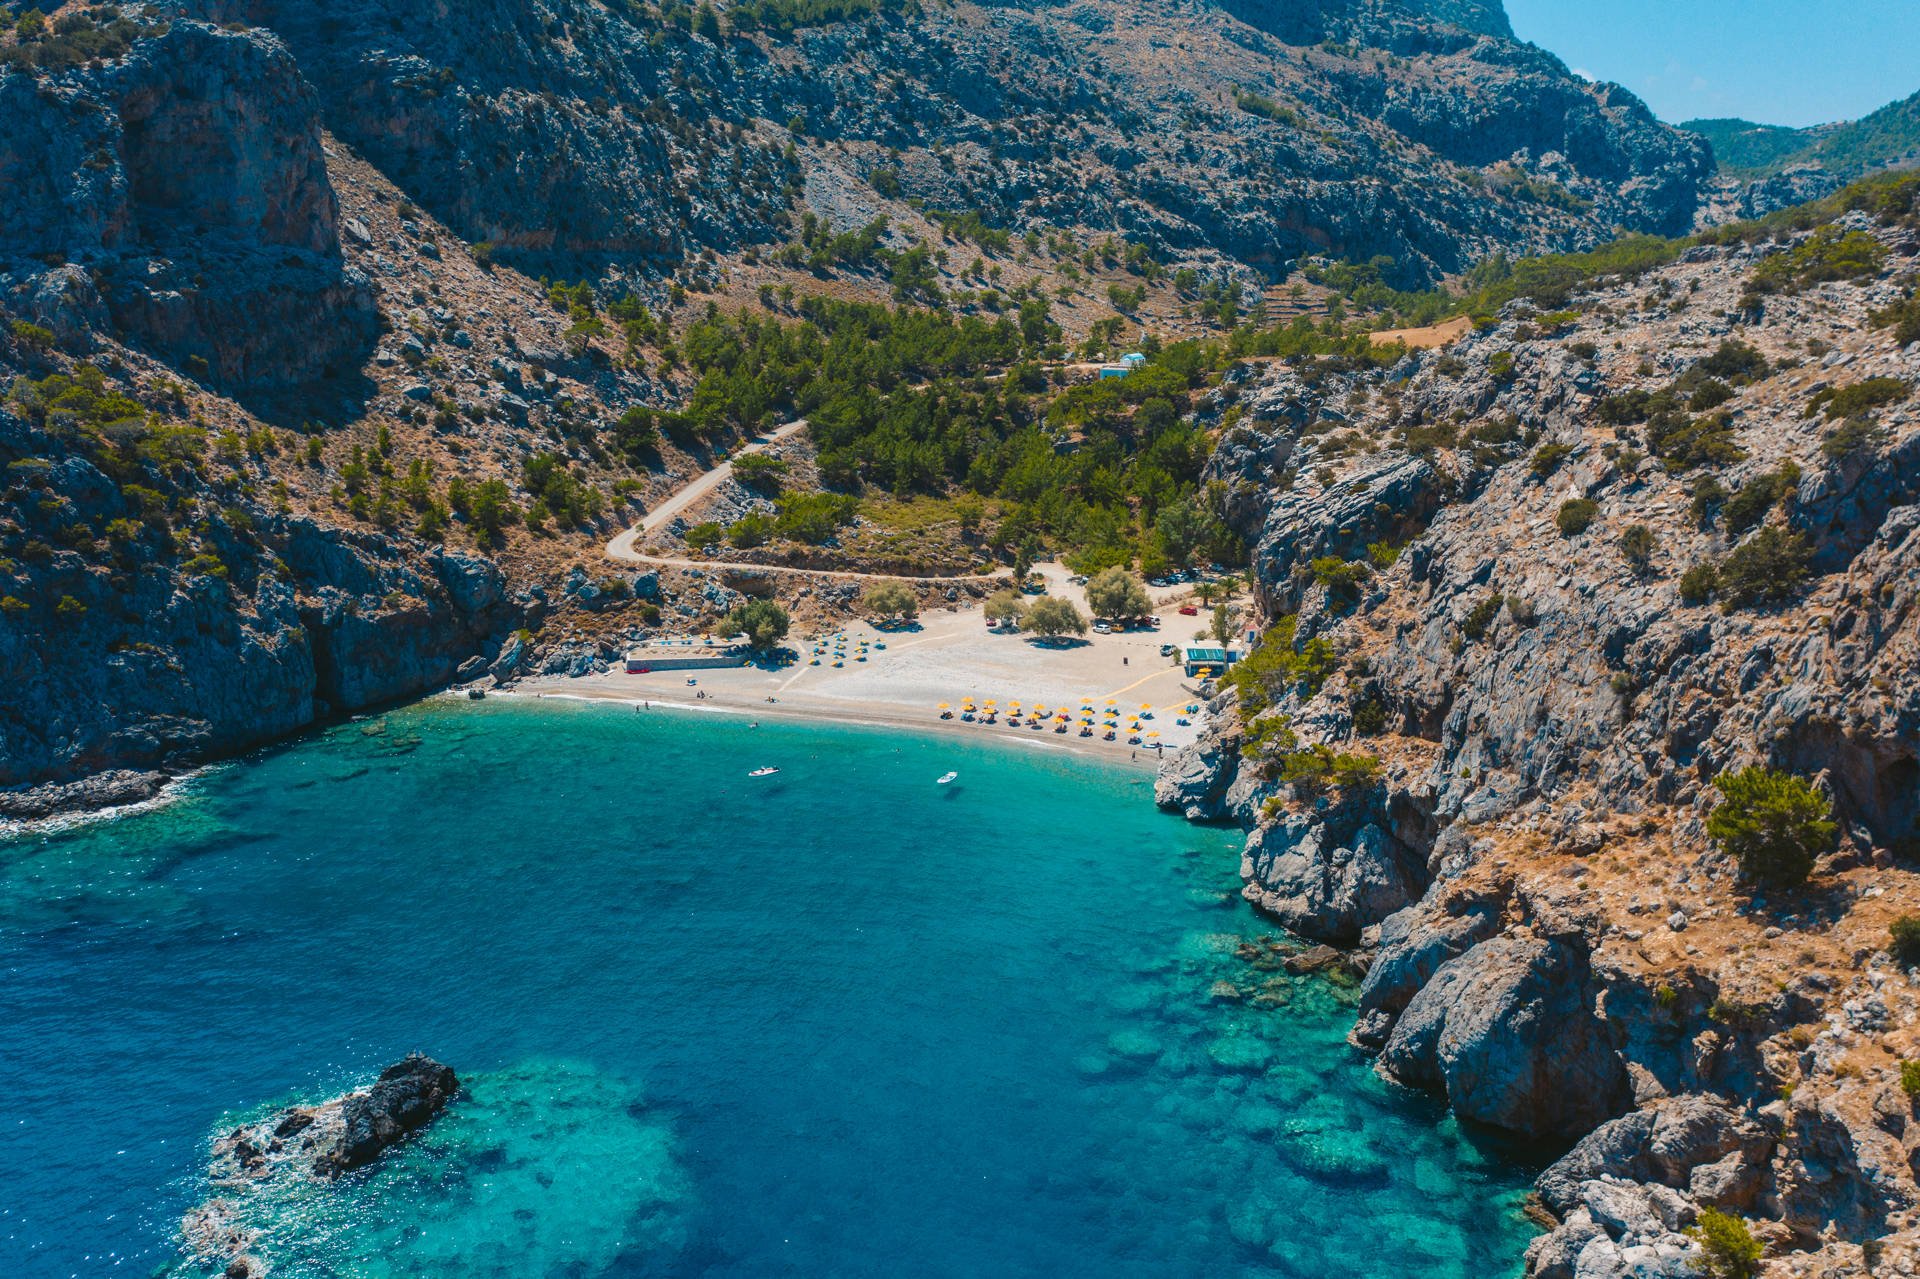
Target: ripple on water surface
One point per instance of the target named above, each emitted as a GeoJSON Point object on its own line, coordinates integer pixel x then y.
{"type": "Point", "coordinates": [1020, 1025]}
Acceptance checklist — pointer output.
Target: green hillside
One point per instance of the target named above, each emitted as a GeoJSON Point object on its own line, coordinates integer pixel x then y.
{"type": "Point", "coordinates": [1890, 137]}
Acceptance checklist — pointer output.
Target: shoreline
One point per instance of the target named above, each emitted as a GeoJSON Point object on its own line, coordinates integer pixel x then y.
{"type": "Point", "coordinates": [863, 716]}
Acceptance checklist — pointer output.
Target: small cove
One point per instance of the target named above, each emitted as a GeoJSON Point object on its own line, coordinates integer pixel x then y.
{"type": "Point", "coordinates": [836, 1021]}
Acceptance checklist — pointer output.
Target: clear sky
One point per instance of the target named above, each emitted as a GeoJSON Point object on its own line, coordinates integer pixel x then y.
{"type": "Point", "coordinates": [1795, 62]}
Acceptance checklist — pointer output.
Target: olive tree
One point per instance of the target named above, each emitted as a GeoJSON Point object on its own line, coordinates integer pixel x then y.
{"type": "Point", "coordinates": [1115, 592]}
{"type": "Point", "coordinates": [891, 600]}
{"type": "Point", "coordinates": [1051, 617]}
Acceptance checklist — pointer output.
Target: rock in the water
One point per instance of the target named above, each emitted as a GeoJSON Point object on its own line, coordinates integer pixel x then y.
{"type": "Point", "coordinates": [407, 1097]}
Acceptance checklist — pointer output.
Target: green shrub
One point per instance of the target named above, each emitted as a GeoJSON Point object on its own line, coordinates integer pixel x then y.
{"type": "Point", "coordinates": [31, 335]}
{"type": "Point", "coordinates": [1758, 496]}
{"type": "Point", "coordinates": [1728, 1248]}
{"type": "Point", "coordinates": [1480, 618]}
{"type": "Point", "coordinates": [1547, 458]}
{"type": "Point", "coordinates": [1768, 568]}
{"type": "Point", "coordinates": [1852, 438]}
{"type": "Point", "coordinates": [755, 528]}
{"type": "Point", "coordinates": [1342, 578]}
{"type": "Point", "coordinates": [1828, 254]}
{"type": "Point", "coordinates": [1697, 584]}
{"type": "Point", "coordinates": [1774, 823]}
{"type": "Point", "coordinates": [1910, 1078]}
{"type": "Point", "coordinates": [1370, 716]}
{"type": "Point", "coordinates": [1637, 544]}
{"type": "Point", "coordinates": [1576, 515]}
{"type": "Point", "coordinates": [1861, 397]}
{"type": "Point", "coordinates": [1683, 442]}
{"type": "Point", "coordinates": [704, 535]}
{"type": "Point", "coordinates": [1904, 938]}
{"type": "Point", "coordinates": [1318, 767]}
{"type": "Point", "coordinates": [1903, 317]}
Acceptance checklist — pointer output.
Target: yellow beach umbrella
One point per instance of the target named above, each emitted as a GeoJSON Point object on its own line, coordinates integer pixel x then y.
{"type": "Point", "coordinates": [943, 707]}
{"type": "Point", "coordinates": [1146, 706]}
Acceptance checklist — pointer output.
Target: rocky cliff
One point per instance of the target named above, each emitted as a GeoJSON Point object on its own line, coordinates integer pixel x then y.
{"type": "Point", "coordinates": [181, 577]}
{"type": "Point", "coordinates": [1541, 590]}
{"type": "Point", "coordinates": [583, 134]}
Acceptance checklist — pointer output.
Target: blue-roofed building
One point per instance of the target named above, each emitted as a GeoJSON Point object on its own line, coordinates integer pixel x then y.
{"type": "Point", "coordinates": [1202, 659]}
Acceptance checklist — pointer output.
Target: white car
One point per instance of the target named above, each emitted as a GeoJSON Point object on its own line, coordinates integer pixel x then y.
{"type": "Point", "coordinates": [1101, 628]}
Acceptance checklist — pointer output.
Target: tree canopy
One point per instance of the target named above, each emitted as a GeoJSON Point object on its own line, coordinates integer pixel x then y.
{"type": "Point", "coordinates": [1051, 617]}
{"type": "Point", "coordinates": [763, 622]}
{"type": "Point", "coordinates": [1115, 592]}
{"type": "Point", "coordinates": [891, 600]}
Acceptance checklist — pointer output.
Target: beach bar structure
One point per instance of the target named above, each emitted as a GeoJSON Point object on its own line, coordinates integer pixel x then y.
{"type": "Point", "coordinates": [684, 653]}
{"type": "Point", "coordinates": [1200, 659]}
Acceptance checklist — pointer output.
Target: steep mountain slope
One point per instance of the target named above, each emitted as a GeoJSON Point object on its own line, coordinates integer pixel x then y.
{"type": "Point", "coordinates": [629, 134]}
{"type": "Point", "coordinates": [1530, 601]}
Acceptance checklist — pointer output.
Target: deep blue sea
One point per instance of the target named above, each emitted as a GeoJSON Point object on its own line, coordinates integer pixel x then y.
{"type": "Point", "coordinates": [836, 1022]}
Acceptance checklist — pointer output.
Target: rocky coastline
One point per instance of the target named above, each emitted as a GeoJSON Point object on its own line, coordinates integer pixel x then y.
{"type": "Point", "coordinates": [1551, 940]}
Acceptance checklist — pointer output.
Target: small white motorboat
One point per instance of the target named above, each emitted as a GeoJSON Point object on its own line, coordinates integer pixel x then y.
{"type": "Point", "coordinates": [763, 772]}
{"type": "Point", "coordinates": [945, 778]}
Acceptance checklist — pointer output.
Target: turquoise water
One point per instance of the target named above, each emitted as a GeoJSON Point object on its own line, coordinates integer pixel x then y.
{"type": "Point", "coordinates": [836, 1022]}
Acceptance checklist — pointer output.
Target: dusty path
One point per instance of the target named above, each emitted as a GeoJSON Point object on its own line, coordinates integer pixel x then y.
{"type": "Point", "coordinates": [702, 485]}
{"type": "Point", "coordinates": [626, 547]}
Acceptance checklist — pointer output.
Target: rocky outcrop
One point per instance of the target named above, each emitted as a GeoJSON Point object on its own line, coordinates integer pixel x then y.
{"type": "Point", "coordinates": [1329, 879]}
{"type": "Point", "coordinates": [1410, 946]}
{"type": "Point", "coordinates": [1618, 1229]}
{"type": "Point", "coordinates": [1699, 1145]}
{"type": "Point", "coordinates": [1194, 780]}
{"type": "Point", "coordinates": [1508, 1031]}
{"type": "Point", "coordinates": [309, 1143]}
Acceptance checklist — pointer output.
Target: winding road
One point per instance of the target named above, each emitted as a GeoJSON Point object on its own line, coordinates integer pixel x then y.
{"type": "Point", "coordinates": [626, 547]}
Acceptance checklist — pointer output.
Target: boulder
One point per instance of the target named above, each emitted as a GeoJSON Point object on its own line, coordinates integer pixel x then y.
{"type": "Point", "coordinates": [1508, 1031]}
{"type": "Point", "coordinates": [1414, 942]}
{"type": "Point", "coordinates": [1323, 886]}
{"type": "Point", "coordinates": [1689, 1143]}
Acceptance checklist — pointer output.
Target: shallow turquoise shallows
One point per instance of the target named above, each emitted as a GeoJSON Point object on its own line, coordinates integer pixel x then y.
{"type": "Point", "coordinates": [839, 1021]}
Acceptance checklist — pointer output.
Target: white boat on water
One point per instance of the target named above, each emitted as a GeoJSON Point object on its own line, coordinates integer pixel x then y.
{"type": "Point", "coordinates": [763, 772]}
{"type": "Point", "coordinates": [945, 778]}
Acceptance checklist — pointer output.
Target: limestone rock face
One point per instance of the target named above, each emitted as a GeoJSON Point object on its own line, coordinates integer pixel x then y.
{"type": "Point", "coordinates": [556, 132]}
{"type": "Point", "coordinates": [1193, 781]}
{"type": "Point", "coordinates": [188, 179]}
{"type": "Point", "coordinates": [1616, 1229]}
{"type": "Point", "coordinates": [1413, 944]}
{"type": "Point", "coordinates": [1694, 1144]}
{"type": "Point", "coordinates": [1508, 1032]}
{"type": "Point", "coordinates": [1327, 890]}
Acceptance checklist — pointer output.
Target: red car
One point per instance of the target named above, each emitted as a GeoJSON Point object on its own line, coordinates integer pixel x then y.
{"type": "Point", "coordinates": [1188, 610]}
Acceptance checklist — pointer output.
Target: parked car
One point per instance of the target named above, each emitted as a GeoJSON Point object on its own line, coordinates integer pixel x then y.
{"type": "Point", "coordinates": [1168, 650]}
{"type": "Point", "coordinates": [1101, 628]}
{"type": "Point", "coordinates": [1078, 579]}
{"type": "Point", "coordinates": [1188, 610]}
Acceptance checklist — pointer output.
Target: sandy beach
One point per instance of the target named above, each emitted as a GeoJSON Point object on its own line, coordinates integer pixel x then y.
{"type": "Point", "coordinates": [950, 657]}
